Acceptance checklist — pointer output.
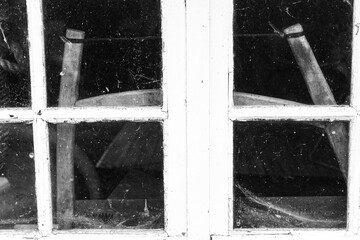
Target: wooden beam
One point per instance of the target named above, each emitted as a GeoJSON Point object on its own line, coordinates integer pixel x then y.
{"type": "Point", "coordinates": [319, 90]}
{"type": "Point", "coordinates": [66, 132]}
{"type": "Point", "coordinates": [250, 99]}
{"type": "Point", "coordinates": [137, 98]}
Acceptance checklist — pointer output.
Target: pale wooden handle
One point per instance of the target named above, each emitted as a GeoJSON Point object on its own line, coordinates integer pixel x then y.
{"type": "Point", "coordinates": [318, 88]}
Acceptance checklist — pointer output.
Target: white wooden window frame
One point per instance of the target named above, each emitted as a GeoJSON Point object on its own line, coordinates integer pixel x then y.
{"type": "Point", "coordinates": [221, 197]}
{"type": "Point", "coordinates": [197, 116]}
{"type": "Point", "coordinates": [172, 114]}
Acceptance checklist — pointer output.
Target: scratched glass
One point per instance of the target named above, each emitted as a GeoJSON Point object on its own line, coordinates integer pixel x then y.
{"type": "Point", "coordinates": [290, 174]}
{"type": "Point", "coordinates": [14, 64]}
{"type": "Point", "coordinates": [118, 175]}
{"type": "Point", "coordinates": [17, 177]}
{"type": "Point", "coordinates": [271, 63]}
{"type": "Point", "coordinates": [121, 53]}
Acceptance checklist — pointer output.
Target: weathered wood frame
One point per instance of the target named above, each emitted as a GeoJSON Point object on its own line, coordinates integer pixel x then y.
{"type": "Point", "coordinates": [221, 170]}
{"type": "Point", "coordinates": [201, 53]}
{"type": "Point", "coordinates": [172, 114]}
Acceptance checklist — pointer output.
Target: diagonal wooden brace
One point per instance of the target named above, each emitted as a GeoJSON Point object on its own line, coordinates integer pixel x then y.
{"type": "Point", "coordinates": [319, 90]}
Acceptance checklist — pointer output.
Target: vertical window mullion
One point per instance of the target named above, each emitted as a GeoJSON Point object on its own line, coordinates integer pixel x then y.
{"type": "Point", "coordinates": [36, 55]}
{"type": "Point", "coordinates": [43, 177]}
{"type": "Point", "coordinates": [353, 217]}
{"type": "Point", "coordinates": [221, 58]}
{"type": "Point", "coordinates": [40, 127]}
{"type": "Point", "coordinates": [173, 17]}
{"type": "Point", "coordinates": [197, 80]}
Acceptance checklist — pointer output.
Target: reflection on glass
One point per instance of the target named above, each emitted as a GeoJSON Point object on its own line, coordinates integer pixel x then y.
{"type": "Point", "coordinates": [14, 64]}
{"type": "Point", "coordinates": [268, 66]}
{"type": "Point", "coordinates": [122, 48]}
{"type": "Point", "coordinates": [17, 177]}
{"type": "Point", "coordinates": [290, 174]}
{"type": "Point", "coordinates": [118, 176]}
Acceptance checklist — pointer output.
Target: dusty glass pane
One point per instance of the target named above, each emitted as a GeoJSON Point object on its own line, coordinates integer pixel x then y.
{"type": "Point", "coordinates": [121, 51]}
{"type": "Point", "coordinates": [118, 176]}
{"type": "Point", "coordinates": [17, 177]}
{"type": "Point", "coordinates": [290, 174]}
{"type": "Point", "coordinates": [269, 64]}
{"type": "Point", "coordinates": [14, 64]}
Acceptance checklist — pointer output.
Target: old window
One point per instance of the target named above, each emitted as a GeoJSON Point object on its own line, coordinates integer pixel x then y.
{"type": "Point", "coordinates": [292, 121]}
{"type": "Point", "coordinates": [95, 81]}
{"type": "Point", "coordinates": [179, 119]}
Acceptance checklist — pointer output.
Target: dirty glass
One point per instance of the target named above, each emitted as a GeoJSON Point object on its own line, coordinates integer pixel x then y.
{"type": "Point", "coordinates": [290, 174]}
{"type": "Point", "coordinates": [17, 177]}
{"type": "Point", "coordinates": [121, 50]}
{"type": "Point", "coordinates": [118, 175]}
{"type": "Point", "coordinates": [14, 64]}
{"type": "Point", "coordinates": [271, 58]}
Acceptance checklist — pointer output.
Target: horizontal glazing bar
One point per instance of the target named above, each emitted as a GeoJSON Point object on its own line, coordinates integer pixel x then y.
{"type": "Point", "coordinates": [58, 115]}
{"type": "Point", "coordinates": [8, 115]}
{"type": "Point", "coordinates": [96, 114]}
{"type": "Point", "coordinates": [303, 113]}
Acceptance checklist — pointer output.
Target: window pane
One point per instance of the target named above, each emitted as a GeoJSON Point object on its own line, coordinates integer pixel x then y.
{"type": "Point", "coordinates": [118, 176]}
{"type": "Point", "coordinates": [121, 52]}
{"type": "Point", "coordinates": [288, 174]}
{"type": "Point", "coordinates": [14, 64]}
{"type": "Point", "coordinates": [17, 177]}
{"type": "Point", "coordinates": [282, 67]}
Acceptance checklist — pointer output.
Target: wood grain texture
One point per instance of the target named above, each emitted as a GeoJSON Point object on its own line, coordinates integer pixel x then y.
{"type": "Point", "coordinates": [320, 92]}
{"type": "Point", "coordinates": [66, 132]}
